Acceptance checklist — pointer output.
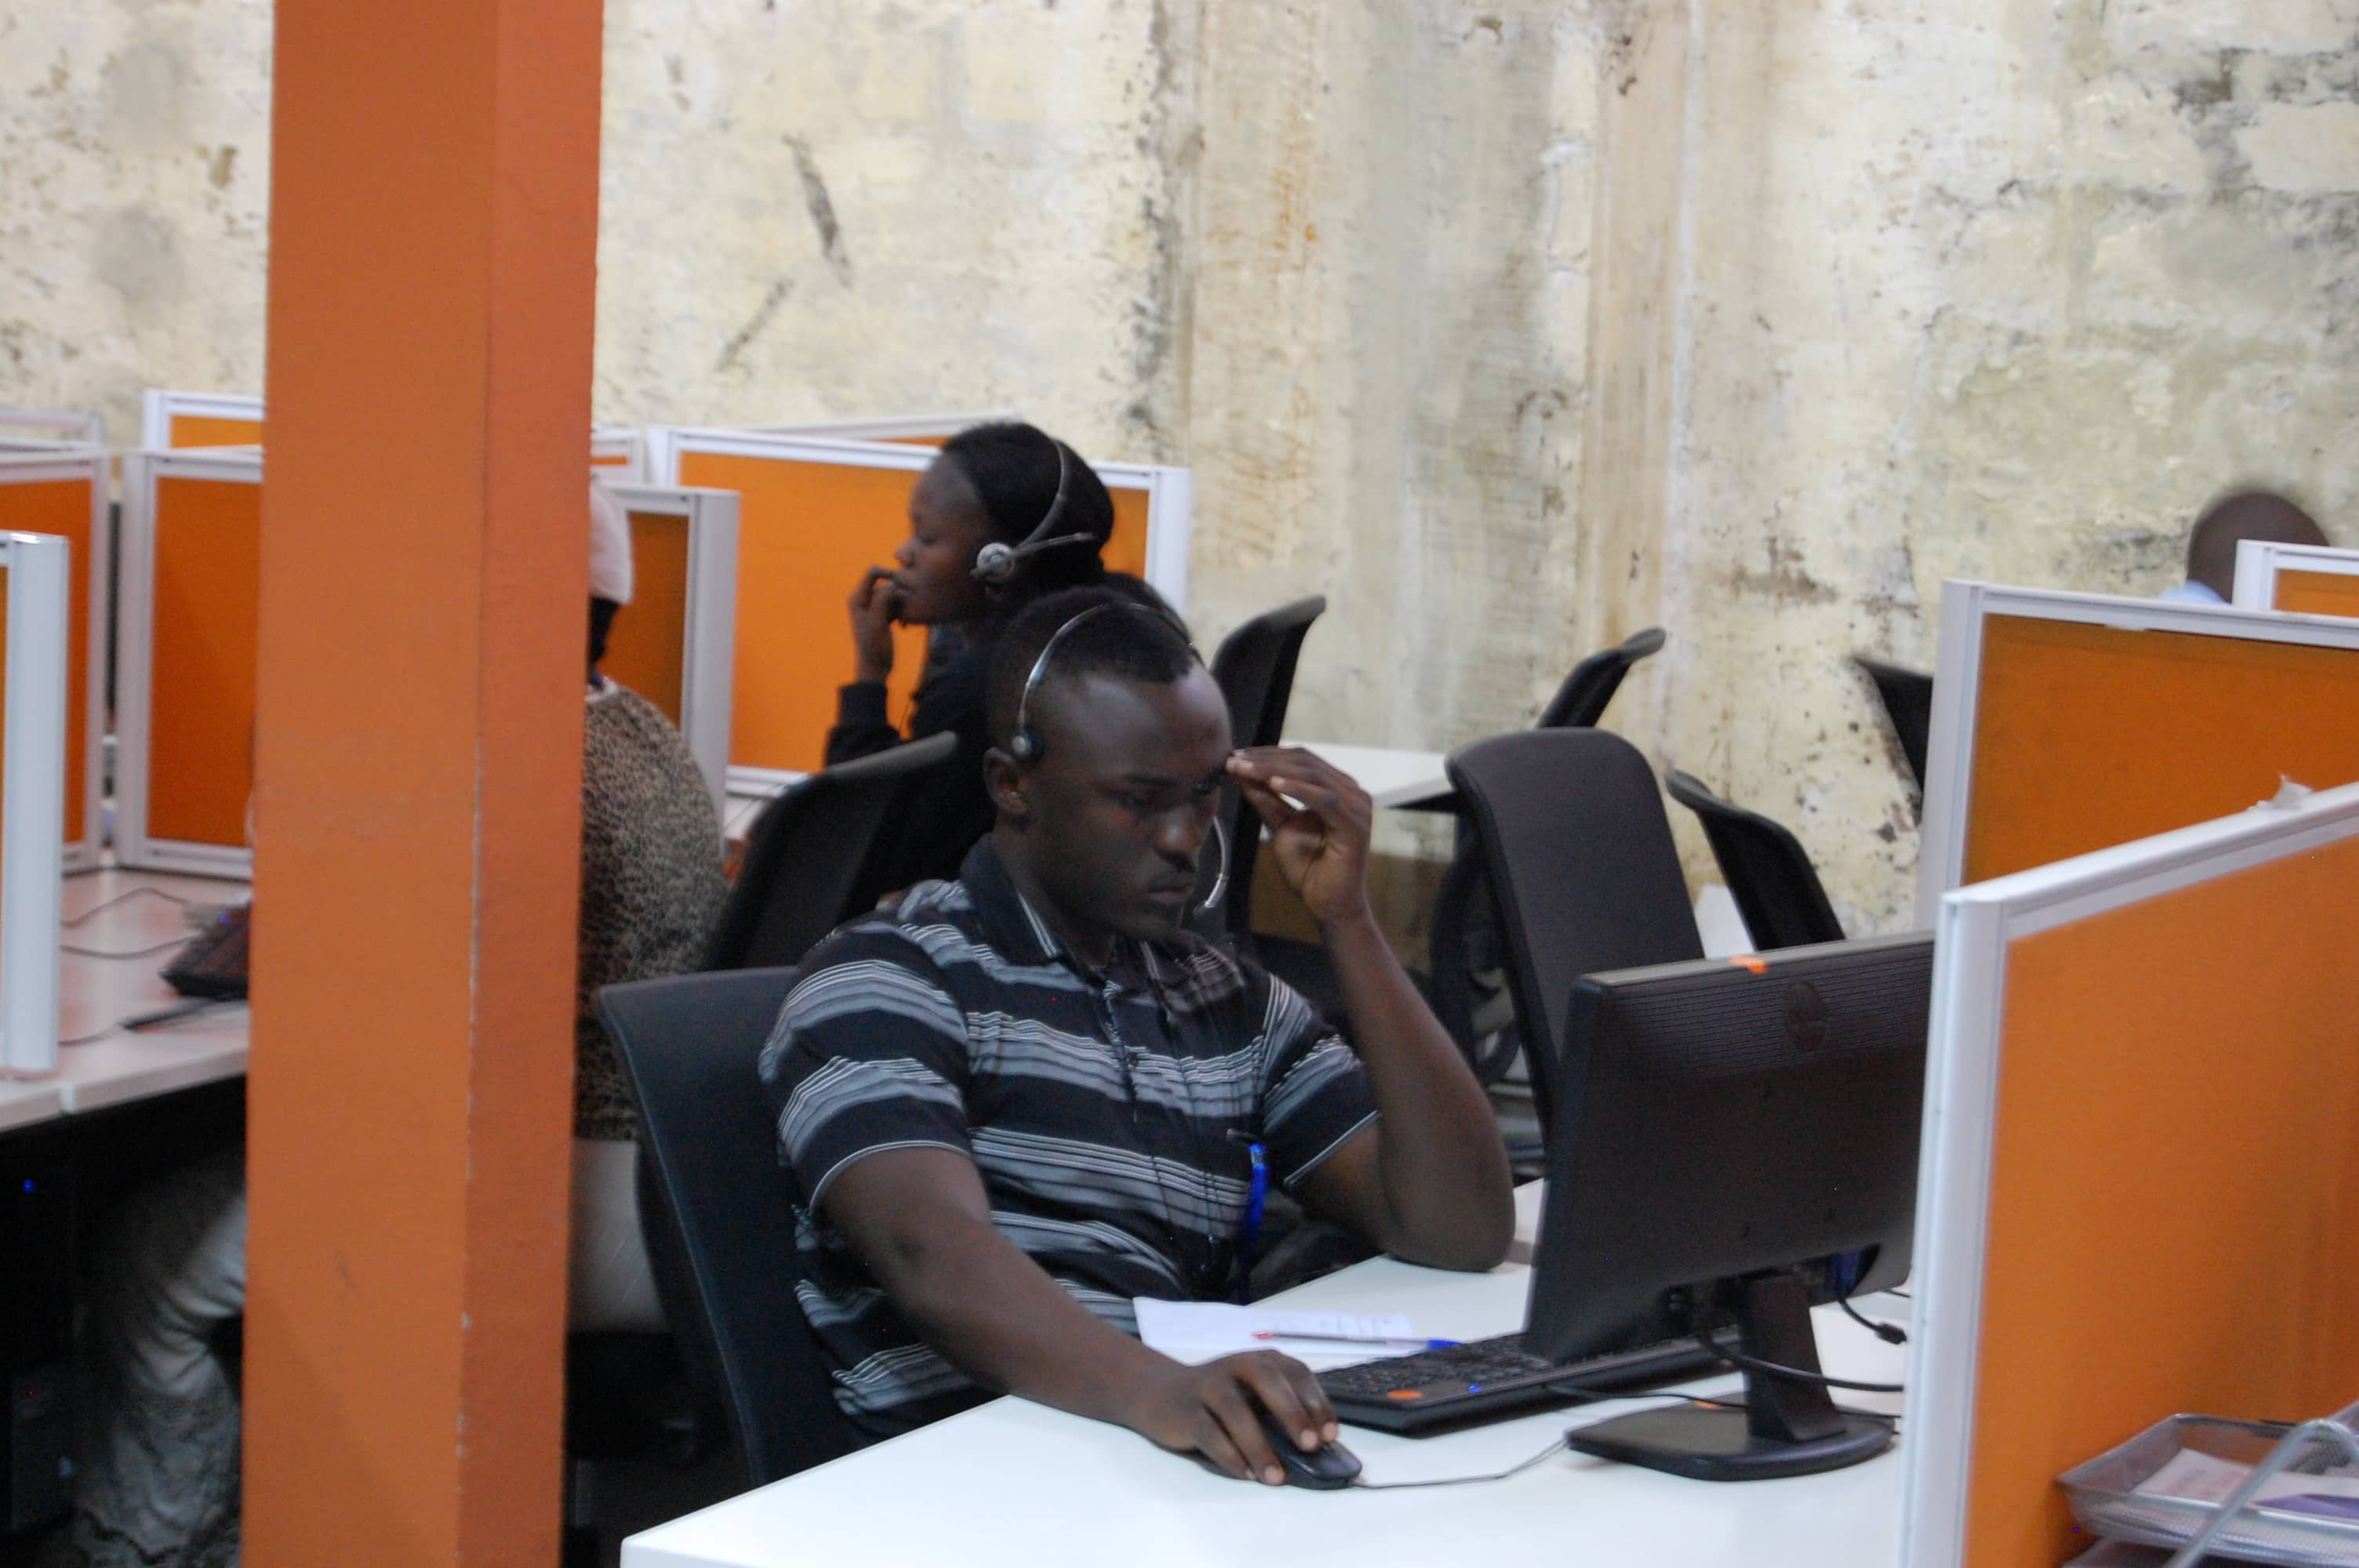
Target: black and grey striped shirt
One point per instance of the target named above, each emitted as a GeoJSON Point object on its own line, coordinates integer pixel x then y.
{"type": "Point", "coordinates": [1108, 1111]}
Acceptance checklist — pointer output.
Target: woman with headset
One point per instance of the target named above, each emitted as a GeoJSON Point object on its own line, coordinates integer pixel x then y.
{"type": "Point", "coordinates": [1005, 514]}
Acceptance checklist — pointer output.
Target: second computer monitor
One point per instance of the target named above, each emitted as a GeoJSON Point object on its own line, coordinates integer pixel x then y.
{"type": "Point", "coordinates": [1735, 1140]}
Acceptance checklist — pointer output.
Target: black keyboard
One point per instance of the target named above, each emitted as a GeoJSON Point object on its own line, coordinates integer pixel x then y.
{"type": "Point", "coordinates": [1491, 1379]}
{"type": "Point", "coordinates": [211, 964]}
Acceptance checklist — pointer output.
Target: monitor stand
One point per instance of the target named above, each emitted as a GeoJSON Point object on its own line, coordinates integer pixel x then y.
{"type": "Point", "coordinates": [1787, 1427]}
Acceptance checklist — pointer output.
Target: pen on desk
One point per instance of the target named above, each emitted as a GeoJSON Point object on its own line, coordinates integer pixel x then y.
{"type": "Point", "coordinates": [1414, 1341]}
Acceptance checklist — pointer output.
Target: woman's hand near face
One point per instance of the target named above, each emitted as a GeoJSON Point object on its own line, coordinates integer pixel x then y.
{"type": "Point", "coordinates": [875, 605]}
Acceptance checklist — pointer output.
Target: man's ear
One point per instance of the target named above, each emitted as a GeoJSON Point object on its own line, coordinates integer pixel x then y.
{"type": "Point", "coordinates": [1003, 781]}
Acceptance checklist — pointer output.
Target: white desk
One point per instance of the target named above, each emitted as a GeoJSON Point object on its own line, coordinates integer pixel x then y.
{"type": "Point", "coordinates": [1018, 1484]}
{"type": "Point", "coordinates": [118, 1067]}
{"type": "Point", "coordinates": [1410, 780]}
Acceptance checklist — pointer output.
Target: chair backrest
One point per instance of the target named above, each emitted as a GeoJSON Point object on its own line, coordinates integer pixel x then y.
{"type": "Point", "coordinates": [1581, 701]}
{"type": "Point", "coordinates": [804, 856]}
{"type": "Point", "coordinates": [1578, 848]}
{"type": "Point", "coordinates": [1776, 887]}
{"type": "Point", "coordinates": [1909, 703]}
{"type": "Point", "coordinates": [715, 1211]}
{"type": "Point", "coordinates": [1254, 667]}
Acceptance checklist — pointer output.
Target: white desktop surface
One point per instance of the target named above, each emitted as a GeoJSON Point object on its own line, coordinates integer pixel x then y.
{"type": "Point", "coordinates": [26, 1102]}
{"type": "Point", "coordinates": [96, 993]}
{"type": "Point", "coordinates": [1391, 777]}
{"type": "Point", "coordinates": [1018, 1484]}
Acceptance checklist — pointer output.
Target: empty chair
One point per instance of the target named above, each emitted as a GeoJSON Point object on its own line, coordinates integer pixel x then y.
{"type": "Point", "coordinates": [1908, 697]}
{"type": "Point", "coordinates": [1254, 670]}
{"type": "Point", "coordinates": [1776, 888]}
{"type": "Point", "coordinates": [1572, 835]}
{"type": "Point", "coordinates": [714, 1209]}
{"type": "Point", "coordinates": [1581, 701]}
{"type": "Point", "coordinates": [803, 858]}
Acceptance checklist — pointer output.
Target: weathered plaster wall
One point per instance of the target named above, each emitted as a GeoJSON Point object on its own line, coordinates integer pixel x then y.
{"type": "Point", "coordinates": [1512, 327]}
{"type": "Point", "coordinates": [134, 177]}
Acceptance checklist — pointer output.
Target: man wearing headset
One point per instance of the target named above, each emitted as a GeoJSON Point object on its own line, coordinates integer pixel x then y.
{"type": "Point", "coordinates": [1011, 1103]}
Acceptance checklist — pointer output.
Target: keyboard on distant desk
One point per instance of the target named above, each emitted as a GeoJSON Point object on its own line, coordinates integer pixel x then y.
{"type": "Point", "coordinates": [1490, 1379]}
{"type": "Point", "coordinates": [211, 964]}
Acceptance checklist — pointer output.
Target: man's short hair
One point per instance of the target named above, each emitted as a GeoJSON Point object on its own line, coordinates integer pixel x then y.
{"type": "Point", "coordinates": [2260, 514]}
{"type": "Point", "coordinates": [1132, 636]}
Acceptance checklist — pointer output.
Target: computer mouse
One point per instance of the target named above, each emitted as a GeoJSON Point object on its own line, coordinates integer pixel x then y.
{"type": "Point", "coordinates": [1329, 1467]}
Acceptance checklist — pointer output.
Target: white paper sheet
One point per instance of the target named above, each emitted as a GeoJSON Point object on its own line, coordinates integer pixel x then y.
{"type": "Point", "coordinates": [1204, 1331]}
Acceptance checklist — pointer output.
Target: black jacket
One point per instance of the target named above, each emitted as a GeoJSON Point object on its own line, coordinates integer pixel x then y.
{"type": "Point", "coordinates": [939, 813]}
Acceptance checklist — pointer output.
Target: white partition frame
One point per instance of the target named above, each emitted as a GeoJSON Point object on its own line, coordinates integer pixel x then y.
{"type": "Point", "coordinates": [54, 424]}
{"type": "Point", "coordinates": [135, 657]}
{"type": "Point", "coordinates": [707, 666]}
{"type": "Point", "coordinates": [158, 407]}
{"type": "Point", "coordinates": [1957, 689]}
{"type": "Point", "coordinates": [2259, 564]}
{"type": "Point", "coordinates": [1170, 491]}
{"type": "Point", "coordinates": [71, 464]}
{"type": "Point", "coordinates": [626, 449]}
{"type": "Point", "coordinates": [1973, 932]}
{"type": "Point", "coordinates": [899, 428]}
{"type": "Point", "coordinates": [32, 815]}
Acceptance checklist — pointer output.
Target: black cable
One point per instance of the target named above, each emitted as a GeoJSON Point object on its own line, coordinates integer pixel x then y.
{"type": "Point", "coordinates": [1552, 1449]}
{"type": "Point", "coordinates": [98, 909]}
{"type": "Point", "coordinates": [138, 953]}
{"type": "Point", "coordinates": [1891, 1334]}
{"type": "Point", "coordinates": [1771, 1370]}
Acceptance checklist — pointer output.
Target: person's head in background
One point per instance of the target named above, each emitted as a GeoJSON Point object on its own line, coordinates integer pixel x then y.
{"type": "Point", "coordinates": [994, 484]}
{"type": "Point", "coordinates": [2245, 514]}
{"type": "Point", "coordinates": [610, 569]}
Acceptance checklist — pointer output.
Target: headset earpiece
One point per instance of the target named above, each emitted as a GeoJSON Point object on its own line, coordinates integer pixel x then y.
{"type": "Point", "coordinates": [995, 562]}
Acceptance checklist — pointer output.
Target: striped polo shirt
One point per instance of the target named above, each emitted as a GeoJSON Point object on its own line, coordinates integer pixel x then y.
{"type": "Point", "coordinates": [1108, 1110]}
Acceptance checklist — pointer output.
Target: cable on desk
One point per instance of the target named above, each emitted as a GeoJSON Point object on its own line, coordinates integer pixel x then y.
{"type": "Point", "coordinates": [1553, 1448]}
{"type": "Point", "coordinates": [181, 941]}
{"type": "Point", "coordinates": [1890, 1333]}
{"type": "Point", "coordinates": [98, 909]}
{"type": "Point", "coordinates": [139, 1021]}
{"type": "Point", "coordinates": [1794, 1374]}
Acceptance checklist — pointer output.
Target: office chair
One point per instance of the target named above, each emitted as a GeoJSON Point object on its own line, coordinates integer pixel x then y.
{"type": "Point", "coordinates": [713, 1206]}
{"type": "Point", "coordinates": [1463, 944]}
{"type": "Point", "coordinates": [805, 855]}
{"type": "Point", "coordinates": [1581, 701]}
{"type": "Point", "coordinates": [1573, 837]}
{"type": "Point", "coordinates": [1254, 667]}
{"type": "Point", "coordinates": [1908, 697]}
{"type": "Point", "coordinates": [1771, 878]}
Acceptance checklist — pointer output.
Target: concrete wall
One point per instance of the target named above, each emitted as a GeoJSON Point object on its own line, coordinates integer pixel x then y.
{"type": "Point", "coordinates": [1511, 327]}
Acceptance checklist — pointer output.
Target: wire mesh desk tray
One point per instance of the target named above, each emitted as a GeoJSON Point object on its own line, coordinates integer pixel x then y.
{"type": "Point", "coordinates": [2284, 1493]}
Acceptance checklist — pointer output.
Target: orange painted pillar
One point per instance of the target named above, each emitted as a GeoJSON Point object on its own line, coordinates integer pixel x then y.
{"type": "Point", "coordinates": [432, 240]}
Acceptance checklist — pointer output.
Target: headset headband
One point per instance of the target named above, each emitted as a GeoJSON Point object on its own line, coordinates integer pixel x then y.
{"type": "Point", "coordinates": [995, 562]}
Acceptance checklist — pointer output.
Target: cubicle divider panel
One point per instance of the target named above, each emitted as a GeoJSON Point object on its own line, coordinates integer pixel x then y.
{"type": "Point", "coordinates": [60, 425]}
{"type": "Point", "coordinates": [2300, 579]}
{"type": "Point", "coordinates": [618, 454]}
{"type": "Point", "coordinates": [2065, 723]}
{"type": "Point", "coordinates": [673, 643]}
{"type": "Point", "coordinates": [912, 429]}
{"type": "Point", "coordinates": [177, 420]}
{"type": "Point", "coordinates": [2141, 1178]}
{"type": "Point", "coordinates": [34, 634]}
{"type": "Point", "coordinates": [65, 495]}
{"type": "Point", "coordinates": [185, 660]}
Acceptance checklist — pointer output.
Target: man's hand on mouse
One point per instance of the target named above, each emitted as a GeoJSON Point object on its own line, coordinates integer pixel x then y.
{"type": "Point", "coordinates": [1321, 845]}
{"type": "Point", "coordinates": [1211, 1410]}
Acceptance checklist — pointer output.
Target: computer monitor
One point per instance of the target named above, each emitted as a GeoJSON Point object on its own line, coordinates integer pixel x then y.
{"type": "Point", "coordinates": [1736, 1141]}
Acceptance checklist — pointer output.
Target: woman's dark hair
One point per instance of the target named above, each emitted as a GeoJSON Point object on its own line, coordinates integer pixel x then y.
{"type": "Point", "coordinates": [1014, 469]}
{"type": "Point", "coordinates": [601, 621]}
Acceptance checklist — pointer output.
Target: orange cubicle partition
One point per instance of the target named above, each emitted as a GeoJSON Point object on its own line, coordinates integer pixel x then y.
{"type": "Point", "coordinates": [2065, 723]}
{"type": "Point", "coordinates": [2142, 1178]}
{"type": "Point", "coordinates": [813, 515]}
{"type": "Point", "coordinates": [65, 495]}
{"type": "Point", "coordinates": [672, 642]}
{"type": "Point", "coordinates": [2318, 593]}
{"type": "Point", "coordinates": [2301, 580]}
{"type": "Point", "coordinates": [186, 659]}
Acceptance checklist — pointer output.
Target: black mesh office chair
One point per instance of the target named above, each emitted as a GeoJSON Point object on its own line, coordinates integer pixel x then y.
{"type": "Point", "coordinates": [713, 1207]}
{"type": "Point", "coordinates": [1576, 844]}
{"type": "Point", "coordinates": [805, 854]}
{"type": "Point", "coordinates": [1463, 947]}
{"type": "Point", "coordinates": [1254, 667]}
{"type": "Point", "coordinates": [1776, 888]}
{"type": "Point", "coordinates": [1908, 697]}
{"type": "Point", "coordinates": [1581, 701]}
